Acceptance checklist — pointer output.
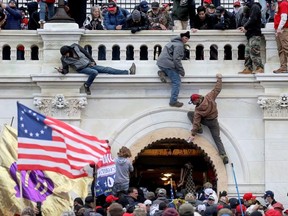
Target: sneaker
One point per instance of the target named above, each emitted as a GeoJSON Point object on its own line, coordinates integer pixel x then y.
{"type": "Point", "coordinates": [224, 158]}
{"type": "Point", "coordinates": [176, 104]}
{"type": "Point", "coordinates": [87, 89]}
{"type": "Point", "coordinates": [162, 76]}
{"type": "Point", "coordinates": [132, 69]}
{"type": "Point", "coordinates": [281, 70]}
{"type": "Point", "coordinates": [258, 70]}
{"type": "Point", "coordinates": [246, 71]}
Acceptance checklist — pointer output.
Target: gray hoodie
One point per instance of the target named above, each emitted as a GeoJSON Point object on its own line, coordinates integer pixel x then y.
{"type": "Point", "coordinates": [123, 169]}
{"type": "Point", "coordinates": [171, 56]}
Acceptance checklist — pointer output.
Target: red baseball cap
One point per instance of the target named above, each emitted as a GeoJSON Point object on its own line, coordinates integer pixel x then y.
{"type": "Point", "coordinates": [111, 198]}
{"type": "Point", "coordinates": [194, 97]}
{"type": "Point", "coordinates": [237, 4]}
{"type": "Point", "coordinates": [248, 196]}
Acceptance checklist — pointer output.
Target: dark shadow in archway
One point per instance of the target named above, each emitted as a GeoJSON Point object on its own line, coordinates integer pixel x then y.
{"type": "Point", "coordinates": [169, 156]}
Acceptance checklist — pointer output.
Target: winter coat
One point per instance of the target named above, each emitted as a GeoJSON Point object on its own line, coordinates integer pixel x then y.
{"type": "Point", "coordinates": [32, 8]}
{"type": "Point", "coordinates": [137, 26]}
{"type": "Point", "coordinates": [171, 56]}
{"type": "Point", "coordinates": [207, 108]}
{"type": "Point", "coordinates": [83, 61]}
{"type": "Point", "coordinates": [226, 22]}
{"type": "Point", "coordinates": [183, 10]}
{"type": "Point", "coordinates": [113, 20]}
{"type": "Point", "coordinates": [14, 17]}
{"type": "Point", "coordinates": [253, 25]}
{"type": "Point", "coordinates": [123, 169]}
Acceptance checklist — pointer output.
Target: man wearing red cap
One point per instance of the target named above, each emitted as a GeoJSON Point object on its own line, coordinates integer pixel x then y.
{"type": "Point", "coordinates": [206, 113]}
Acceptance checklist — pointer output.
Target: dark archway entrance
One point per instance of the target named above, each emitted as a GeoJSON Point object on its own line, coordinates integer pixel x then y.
{"type": "Point", "coordinates": [169, 156]}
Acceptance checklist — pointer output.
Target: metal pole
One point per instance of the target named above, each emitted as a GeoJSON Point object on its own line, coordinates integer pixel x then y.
{"type": "Point", "coordinates": [237, 190]}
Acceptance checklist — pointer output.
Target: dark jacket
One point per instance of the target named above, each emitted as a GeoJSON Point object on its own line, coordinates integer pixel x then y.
{"type": "Point", "coordinates": [253, 25]}
{"type": "Point", "coordinates": [226, 22]}
{"type": "Point", "coordinates": [112, 20]}
{"type": "Point", "coordinates": [14, 17]}
{"type": "Point", "coordinates": [203, 24]}
{"type": "Point", "coordinates": [184, 10]}
{"type": "Point", "coordinates": [32, 8]}
{"type": "Point", "coordinates": [171, 56]}
{"type": "Point", "coordinates": [137, 26]}
{"type": "Point", "coordinates": [84, 60]}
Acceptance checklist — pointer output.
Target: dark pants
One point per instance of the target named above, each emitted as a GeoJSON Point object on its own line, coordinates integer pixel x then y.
{"type": "Point", "coordinates": [214, 128]}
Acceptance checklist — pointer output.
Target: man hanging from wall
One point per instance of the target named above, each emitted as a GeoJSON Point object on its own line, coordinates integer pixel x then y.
{"type": "Point", "coordinates": [206, 113]}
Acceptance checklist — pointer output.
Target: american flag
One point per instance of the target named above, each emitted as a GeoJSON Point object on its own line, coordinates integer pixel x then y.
{"type": "Point", "coordinates": [45, 143]}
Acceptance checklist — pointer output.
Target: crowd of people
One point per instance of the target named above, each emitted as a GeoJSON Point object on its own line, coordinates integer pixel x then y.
{"type": "Point", "coordinates": [138, 202]}
{"type": "Point", "coordinates": [153, 16]}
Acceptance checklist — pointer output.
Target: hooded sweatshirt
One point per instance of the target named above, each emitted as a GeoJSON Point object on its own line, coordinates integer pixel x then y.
{"type": "Point", "coordinates": [171, 56]}
{"type": "Point", "coordinates": [123, 169]}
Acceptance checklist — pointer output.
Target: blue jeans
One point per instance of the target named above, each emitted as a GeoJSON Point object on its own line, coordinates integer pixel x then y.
{"type": "Point", "coordinates": [175, 82]}
{"type": "Point", "coordinates": [92, 72]}
{"type": "Point", "coordinates": [42, 12]}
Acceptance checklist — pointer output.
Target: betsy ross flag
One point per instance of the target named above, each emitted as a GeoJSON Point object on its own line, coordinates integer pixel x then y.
{"type": "Point", "coordinates": [45, 143]}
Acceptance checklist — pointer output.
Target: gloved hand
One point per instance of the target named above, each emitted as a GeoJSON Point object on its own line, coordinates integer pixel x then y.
{"type": "Point", "coordinates": [134, 30]}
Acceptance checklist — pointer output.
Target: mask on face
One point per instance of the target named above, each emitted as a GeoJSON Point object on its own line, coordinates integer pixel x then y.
{"type": "Point", "coordinates": [236, 10]}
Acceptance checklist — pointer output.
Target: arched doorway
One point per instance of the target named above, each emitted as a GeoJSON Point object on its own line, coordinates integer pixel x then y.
{"type": "Point", "coordinates": [157, 161]}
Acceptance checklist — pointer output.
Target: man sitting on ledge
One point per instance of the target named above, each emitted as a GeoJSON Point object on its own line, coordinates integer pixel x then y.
{"type": "Point", "coordinates": [79, 59]}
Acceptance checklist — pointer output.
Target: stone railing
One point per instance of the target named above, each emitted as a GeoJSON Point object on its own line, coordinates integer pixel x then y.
{"type": "Point", "coordinates": [209, 51]}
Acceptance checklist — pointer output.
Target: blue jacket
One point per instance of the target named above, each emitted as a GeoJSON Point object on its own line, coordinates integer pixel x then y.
{"type": "Point", "coordinates": [13, 18]}
{"type": "Point", "coordinates": [112, 20]}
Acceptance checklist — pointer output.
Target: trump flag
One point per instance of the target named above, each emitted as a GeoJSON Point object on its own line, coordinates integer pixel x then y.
{"type": "Point", "coordinates": [55, 191]}
{"type": "Point", "coordinates": [45, 143]}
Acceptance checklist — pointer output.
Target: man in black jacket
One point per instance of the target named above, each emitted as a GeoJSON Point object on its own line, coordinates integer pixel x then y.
{"type": "Point", "coordinates": [136, 22]}
{"type": "Point", "coordinates": [252, 30]}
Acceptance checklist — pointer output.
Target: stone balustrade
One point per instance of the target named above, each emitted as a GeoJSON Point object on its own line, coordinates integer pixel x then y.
{"type": "Point", "coordinates": [209, 51]}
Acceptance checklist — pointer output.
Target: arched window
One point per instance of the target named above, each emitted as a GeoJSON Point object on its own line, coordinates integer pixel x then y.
{"type": "Point", "coordinates": [88, 48]}
{"type": "Point", "coordinates": [227, 52]}
{"type": "Point", "coordinates": [34, 52]}
{"type": "Point", "coordinates": [199, 52]}
{"type": "Point", "coordinates": [157, 51]}
{"type": "Point", "coordinates": [116, 52]}
{"type": "Point", "coordinates": [129, 52]}
{"type": "Point", "coordinates": [213, 52]}
{"type": "Point", "coordinates": [6, 52]}
{"type": "Point", "coordinates": [20, 52]}
{"type": "Point", "coordinates": [186, 52]}
{"type": "Point", "coordinates": [144, 52]}
{"type": "Point", "coordinates": [241, 52]}
{"type": "Point", "coordinates": [101, 52]}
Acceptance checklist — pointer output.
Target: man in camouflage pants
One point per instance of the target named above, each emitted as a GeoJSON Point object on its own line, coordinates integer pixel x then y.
{"type": "Point", "coordinates": [252, 30]}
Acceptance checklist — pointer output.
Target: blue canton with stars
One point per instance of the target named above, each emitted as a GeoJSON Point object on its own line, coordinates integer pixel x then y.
{"type": "Point", "coordinates": [31, 124]}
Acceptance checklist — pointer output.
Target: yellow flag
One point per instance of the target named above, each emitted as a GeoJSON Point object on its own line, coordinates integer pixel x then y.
{"type": "Point", "coordinates": [55, 191]}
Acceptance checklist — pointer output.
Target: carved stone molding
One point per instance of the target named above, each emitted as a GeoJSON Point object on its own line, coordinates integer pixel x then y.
{"type": "Point", "coordinates": [275, 108]}
{"type": "Point", "coordinates": [59, 106]}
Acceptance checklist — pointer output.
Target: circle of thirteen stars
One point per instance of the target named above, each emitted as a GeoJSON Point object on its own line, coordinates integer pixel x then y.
{"type": "Point", "coordinates": [26, 131]}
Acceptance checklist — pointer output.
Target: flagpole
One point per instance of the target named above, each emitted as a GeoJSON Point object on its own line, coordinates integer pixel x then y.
{"type": "Point", "coordinates": [11, 123]}
{"type": "Point", "coordinates": [21, 190]}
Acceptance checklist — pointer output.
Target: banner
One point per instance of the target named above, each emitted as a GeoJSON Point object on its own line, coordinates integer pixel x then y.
{"type": "Point", "coordinates": [106, 170]}
{"type": "Point", "coordinates": [55, 191]}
